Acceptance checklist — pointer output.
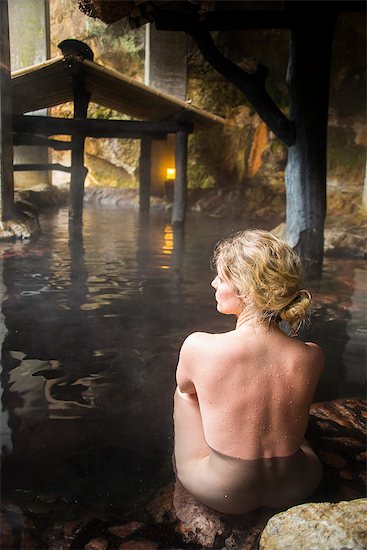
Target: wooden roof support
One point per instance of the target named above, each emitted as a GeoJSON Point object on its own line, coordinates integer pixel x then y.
{"type": "Point", "coordinates": [41, 167]}
{"type": "Point", "coordinates": [41, 141]}
{"type": "Point", "coordinates": [98, 128]}
{"type": "Point", "coordinates": [252, 85]}
{"type": "Point", "coordinates": [6, 141]}
{"type": "Point", "coordinates": [144, 174]}
{"type": "Point", "coordinates": [72, 50]}
{"type": "Point", "coordinates": [180, 184]}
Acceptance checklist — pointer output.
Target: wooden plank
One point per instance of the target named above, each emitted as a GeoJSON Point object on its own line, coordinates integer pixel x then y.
{"type": "Point", "coordinates": [41, 167]}
{"type": "Point", "coordinates": [144, 174]}
{"type": "Point", "coordinates": [180, 184]}
{"type": "Point", "coordinates": [40, 141]}
{"type": "Point", "coordinates": [78, 170]}
{"type": "Point", "coordinates": [98, 128]}
{"type": "Point", "coordinates": [6, 136]}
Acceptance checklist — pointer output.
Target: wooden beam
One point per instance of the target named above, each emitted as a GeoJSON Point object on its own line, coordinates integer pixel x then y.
{"type": "Point", "coordinates": [97, 128]}
{"type": "Point", "coordinates": [41, 167]}
{"type": "Point", "coordinates": [169, 20]}
{"type": "Point", "coordinates": [235, 20]}
{"type": "Point", "coordinates": [40, 141]}
{"type": "Point", "coordinates": [144, 174]}
{"type": "Point", "coordinates": [252, 85]}
{"type": "Point", "coordinates": [305, 176]}
{"type": "Point", "coordinates": [180, 184]}
{"type": "Point", "coordinates": [78, 170]}
{"type": "Point", "coordinates": [6, 138]}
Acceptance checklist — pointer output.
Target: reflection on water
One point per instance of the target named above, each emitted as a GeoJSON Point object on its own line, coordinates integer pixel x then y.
{"type": "Point", "coordinates": [91, 328]}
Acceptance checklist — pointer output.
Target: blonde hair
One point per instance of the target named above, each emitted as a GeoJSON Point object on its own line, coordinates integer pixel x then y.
{"type": "Point", "coordinates": [267, 270]}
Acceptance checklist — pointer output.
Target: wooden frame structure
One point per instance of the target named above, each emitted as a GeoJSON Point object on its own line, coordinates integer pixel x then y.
{"type": "Point", "coordinates": [75, 77]}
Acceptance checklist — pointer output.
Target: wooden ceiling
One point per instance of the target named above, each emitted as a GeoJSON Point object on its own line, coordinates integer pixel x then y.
{"type": "Point", "coordinates": [50, 84]}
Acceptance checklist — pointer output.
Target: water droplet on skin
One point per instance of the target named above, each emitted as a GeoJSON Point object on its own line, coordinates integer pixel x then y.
{"type": "Point", "coordinates": [291, 402]}
{"type": "Point", "coordinates": [225, 496]}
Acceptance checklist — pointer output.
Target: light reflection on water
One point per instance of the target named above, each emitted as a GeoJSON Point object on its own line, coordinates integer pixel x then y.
{"type": "Point", "coordinates": [93, 330]}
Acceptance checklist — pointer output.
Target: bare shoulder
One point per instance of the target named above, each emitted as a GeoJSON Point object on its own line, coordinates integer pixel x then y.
{"type": "Point", "coordinates": [196, 341]}
{"type": "Point", "coordinates": [317, 355]}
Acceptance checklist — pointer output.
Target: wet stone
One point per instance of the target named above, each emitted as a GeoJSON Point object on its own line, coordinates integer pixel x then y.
{"type": "Point", "coordinates": [161, 507]}
{"type": "Point", "coordinates": [199, 525]}
{"type": "Point", "coordinates": [60, 536]}
{"type": "Point", "coordinates": [125, 530]}
{"type": "Point", "coordinates": [138, 545]}
{"type": "Point", "coordinates": [6, 535]}
{"type": "Point", "coordinates": [98, 543]}
{"type": "Point", "coordinates": [337, 433]}
{"type": "Point", "coordinates": [322, 525]}
{"type": "Point", "coordinates": [17, 531]}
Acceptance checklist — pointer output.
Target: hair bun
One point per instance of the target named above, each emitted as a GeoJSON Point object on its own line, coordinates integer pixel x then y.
{"type": "Point", "coordinates": [296, 311]}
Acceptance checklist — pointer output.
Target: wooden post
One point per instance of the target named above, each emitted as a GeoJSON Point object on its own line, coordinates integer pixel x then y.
{"type": "Point", "coordinates": [72, 50]}
{"type": "Point", "coordinates": [308, 81]}
{"type": "Point", "coordinates": [144, 174]}
{"type": "Point", "coordinates": [6, 130]}
{"type": "Point", "coordinates": [180, 185]}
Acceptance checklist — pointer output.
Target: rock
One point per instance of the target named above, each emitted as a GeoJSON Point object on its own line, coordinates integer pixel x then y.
{"type": "Point", "coordinates": [324, 526]}
{"type": "Point", "coordinates": [44, 196]}
{"type": "Point", "coordinates": [139, 545]}
{"type": "Point", "coordinates": [161, 507]}
{"type": "Point", "coordinates": [125, 530]}
{"type": "Point", "coordinates": [202, 526]}
{"type": "Point", "coordinates": [345, 243]}
{"type": "Point", "coordinates": [23, 224]}
{"type": "Point", "coordinates": [97, 543]}
{"type": "Point", "coordinates": [61, 536]}
{"type": "Point", "coordinates": [17, 531]}
{"type": "Point", "coordinates": [6, 534]}
{"type": "Point", "coordinates": [198, 524]}
{"type": "Point", "coordinates": [337, 433]}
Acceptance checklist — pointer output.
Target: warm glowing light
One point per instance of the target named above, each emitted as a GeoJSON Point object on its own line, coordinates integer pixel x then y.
{"type": "Point", "coordinates": [167, 247]}
{"type": "Point", "coordinates": [170, 173]}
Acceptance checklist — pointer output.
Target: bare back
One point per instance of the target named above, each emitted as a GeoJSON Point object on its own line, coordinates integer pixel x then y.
{"type": "Point", "coordinates": [254, 389]}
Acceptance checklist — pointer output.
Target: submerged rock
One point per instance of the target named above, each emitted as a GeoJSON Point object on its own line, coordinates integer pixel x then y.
{"type": "Point", "coordinates": [23, 224]}
{"type": "Point", "coordinates": [324, 526]}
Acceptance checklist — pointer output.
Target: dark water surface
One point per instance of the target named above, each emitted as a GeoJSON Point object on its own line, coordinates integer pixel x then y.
{"type": "Point", "coordinates": [91, 329]}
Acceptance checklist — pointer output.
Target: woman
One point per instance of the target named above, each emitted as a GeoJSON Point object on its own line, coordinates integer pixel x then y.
{"type": "Point", "coordinates": [242, 400]}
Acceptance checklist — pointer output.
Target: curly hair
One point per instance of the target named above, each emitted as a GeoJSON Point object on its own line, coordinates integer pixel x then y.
{"type": "Point", "coordinates": [267, 270]}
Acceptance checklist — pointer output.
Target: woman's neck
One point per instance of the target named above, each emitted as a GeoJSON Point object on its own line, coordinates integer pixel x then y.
{"type": "Point", "coordinates": [249, 319]}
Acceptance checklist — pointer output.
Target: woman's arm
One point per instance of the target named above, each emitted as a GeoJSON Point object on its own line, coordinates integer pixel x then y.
{"type": "Point", "coordinates": [186, 365]}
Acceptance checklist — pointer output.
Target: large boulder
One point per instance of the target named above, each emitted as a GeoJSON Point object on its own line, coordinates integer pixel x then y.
{"type": "Point", "coordinates": [322, 525]}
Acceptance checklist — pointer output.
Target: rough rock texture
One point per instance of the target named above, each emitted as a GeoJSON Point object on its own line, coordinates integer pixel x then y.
{"type": "Point", "coordinates": [23, 224]}
{"type": "Point", "coordinates": [205, 527]}
{"type": "Point", "coordinates": [337, 432]}
{"type": "Point", "coordinates": [324, 526]}
{"type": "Point", "coordinates": [348, 242]}
{"type": "Point", "coordinates": [44, 196]}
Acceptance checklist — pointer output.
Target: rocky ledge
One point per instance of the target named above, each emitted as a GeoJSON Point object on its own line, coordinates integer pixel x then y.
{"type": "Point", "coordinates": [175, 520]}
{"type": "Point", "coordinates": [28, 204]}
